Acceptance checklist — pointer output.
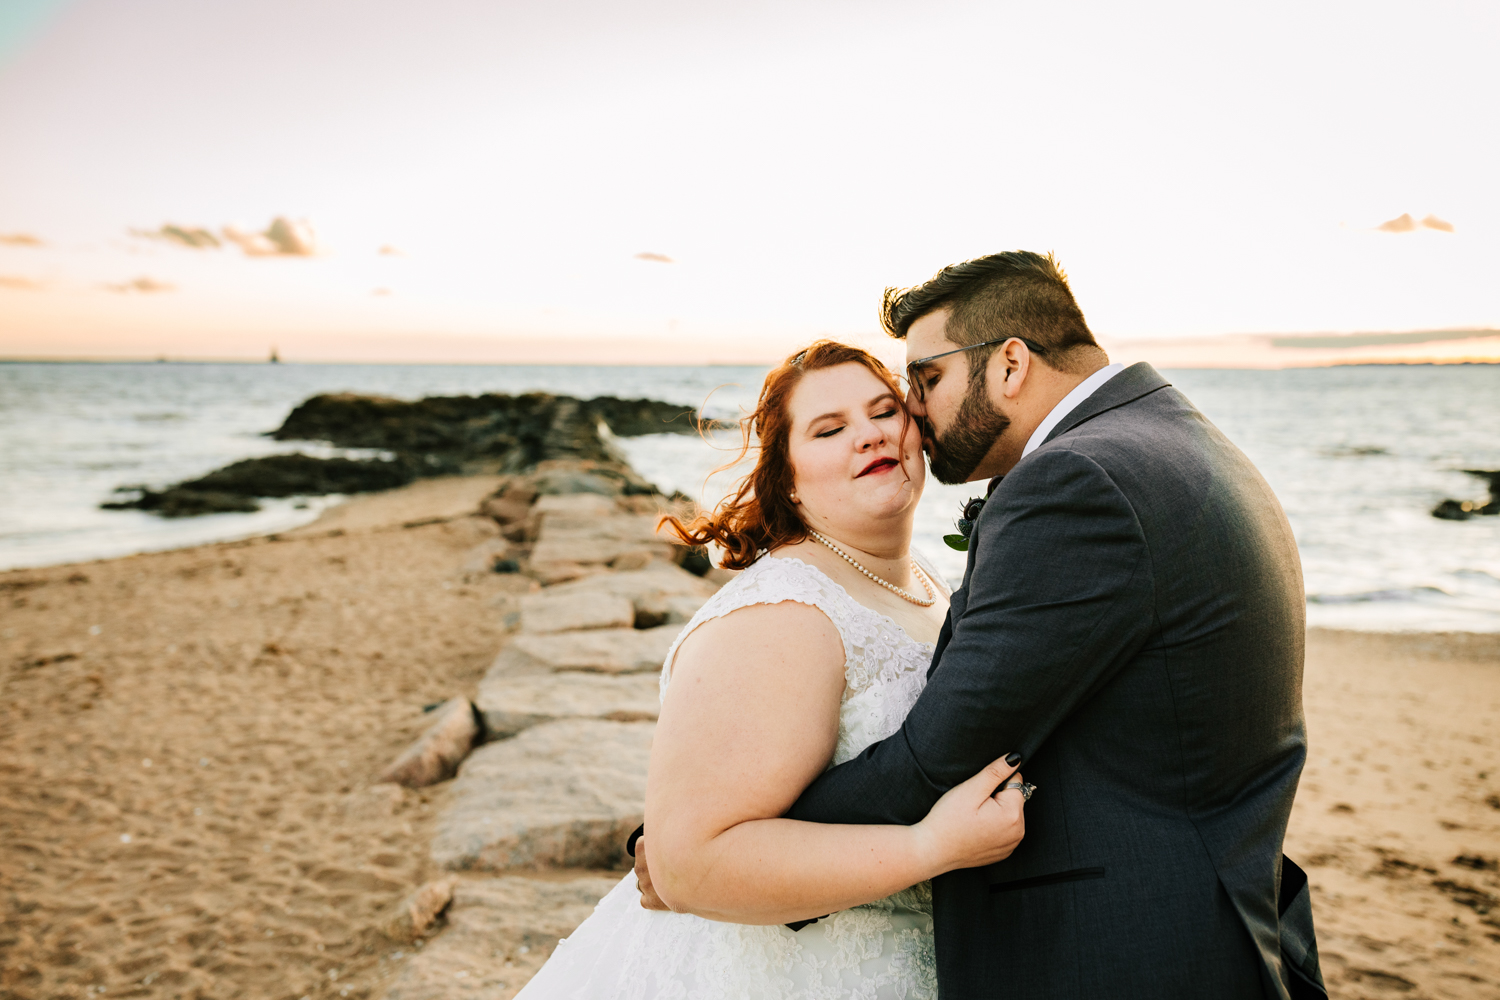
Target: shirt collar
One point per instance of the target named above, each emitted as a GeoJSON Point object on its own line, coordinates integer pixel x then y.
{"type": "Point", "coordinates": [1083, 390]}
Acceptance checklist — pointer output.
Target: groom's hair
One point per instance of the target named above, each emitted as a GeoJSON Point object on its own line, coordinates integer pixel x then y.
{"type": "Point", "coordinates": [1013, 294]}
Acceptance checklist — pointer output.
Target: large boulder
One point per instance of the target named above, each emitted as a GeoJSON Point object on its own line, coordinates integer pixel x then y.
{"type": "Point", "coordinates": [232, 487]}
{"type": "Point", "coordinates": [565, 442]}
{"type": "Point", "coordinates": [549, 612]}
{"type": "Point", "coordinates": [510, 704]}
{"type": "Point", "coordinates": [500, 931]}
{"type": "Point", "coordinates": [303, 475]}
{"type": "Point", "coordinates": [602, 651]}
{"type": "Point", "coordinates": [1462, 510]}
{"type": "Point", "coordinates": [565, 537]}
{"type": "Point", "coordinates": [573, 506]}
{"type": "Point", "coordinates": [526, 429]}
{"type": "Point", "coordinates": [563, 794]}
{"type": "Point", "coordinates": [447, 432]}
{"type": "Point", "coordinates": [436, 754]}
{"type": "Point", "coordinates": [174, 501]}
{"type": "Point", "coordinates": [660, 593]}
{"type": "Point", "coordinates": [633, 417]}
{"type": "Point", "coordinates": [415, 915]}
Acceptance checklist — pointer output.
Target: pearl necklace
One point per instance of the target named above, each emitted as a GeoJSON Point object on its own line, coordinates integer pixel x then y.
{"type": "Point", "coordinates": [888, 585]}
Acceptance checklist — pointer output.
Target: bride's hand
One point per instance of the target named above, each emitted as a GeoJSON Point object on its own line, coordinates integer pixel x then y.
{"type": "Point", "coordinates": [971, 825]}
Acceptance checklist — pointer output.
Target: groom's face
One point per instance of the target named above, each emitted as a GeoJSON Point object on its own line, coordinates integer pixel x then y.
{"type": "Point", "coordinates": [961, 422]}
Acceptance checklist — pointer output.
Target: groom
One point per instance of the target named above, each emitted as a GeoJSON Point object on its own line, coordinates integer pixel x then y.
{"type": "Point", "coordinates": [1131, 625]}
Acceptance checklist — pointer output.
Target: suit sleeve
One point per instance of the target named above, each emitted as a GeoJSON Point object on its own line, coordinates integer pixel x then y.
{"type": "Point", "coordinates": [1060, 597]}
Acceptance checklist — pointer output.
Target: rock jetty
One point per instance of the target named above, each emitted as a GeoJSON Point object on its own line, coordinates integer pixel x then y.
{"type": "Point", "coordinates": [439, 435]}
{"type": "Point", "coordinates": [548, 755]}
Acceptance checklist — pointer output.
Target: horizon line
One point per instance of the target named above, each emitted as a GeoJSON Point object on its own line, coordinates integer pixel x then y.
{"type": "Point", "coordinates": [1221, 351]}
{"type": "Point", "coordinates": [1334, 363]}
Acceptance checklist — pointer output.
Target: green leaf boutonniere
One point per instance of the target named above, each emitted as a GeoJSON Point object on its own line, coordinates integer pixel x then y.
{"type": "Point", "coordinates": [965, 525]}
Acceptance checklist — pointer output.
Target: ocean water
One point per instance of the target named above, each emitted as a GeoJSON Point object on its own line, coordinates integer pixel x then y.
{"type": "Point", "coordinates": [1358, 456]}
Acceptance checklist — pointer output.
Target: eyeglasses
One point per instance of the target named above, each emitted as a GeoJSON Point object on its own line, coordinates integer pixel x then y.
{"type": "Point", "coordinates": [919, 383]}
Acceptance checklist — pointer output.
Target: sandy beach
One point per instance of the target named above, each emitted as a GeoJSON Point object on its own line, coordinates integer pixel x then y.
{"type": "Point", "coordinates": [188, 742]}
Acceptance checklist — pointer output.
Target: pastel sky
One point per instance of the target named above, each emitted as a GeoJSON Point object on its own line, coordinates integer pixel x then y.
{"type": "Point", "coordinates": [664, 179]}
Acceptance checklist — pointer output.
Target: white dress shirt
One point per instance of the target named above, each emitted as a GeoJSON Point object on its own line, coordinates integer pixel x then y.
{"type": "Point", "coordinates": [1083, 390]}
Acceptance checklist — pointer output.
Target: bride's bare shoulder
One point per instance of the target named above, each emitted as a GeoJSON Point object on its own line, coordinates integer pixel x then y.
{"type": "Point", "coordinates": [787, 628]}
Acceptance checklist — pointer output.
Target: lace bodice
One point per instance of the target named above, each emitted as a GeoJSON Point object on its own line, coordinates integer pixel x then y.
{"type": "Point", "coordinates": [884, 668]}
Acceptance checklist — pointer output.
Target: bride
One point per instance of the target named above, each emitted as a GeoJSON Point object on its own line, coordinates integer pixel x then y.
{"type": "Point", "coordinates": [817, 649]}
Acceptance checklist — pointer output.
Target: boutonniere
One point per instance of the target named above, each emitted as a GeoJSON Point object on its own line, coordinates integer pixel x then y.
{"type": "Point", "coordinates": [965, 524]}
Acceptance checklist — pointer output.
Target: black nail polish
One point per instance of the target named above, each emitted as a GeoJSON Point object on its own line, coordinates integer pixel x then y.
{"type": "Point", "coordinates": [1013, 759]}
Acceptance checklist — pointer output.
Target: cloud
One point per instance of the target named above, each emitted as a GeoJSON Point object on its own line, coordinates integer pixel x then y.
{"type": "Point", "coordinates": [18, 283]}
{"type": "Point", "coordinates": [660, 258]}
{"type": "Point", "coordinates": [142, 284]}
{"type": "Point", "coordinates": [1404, 223]}
{"type": "Point", "coordinates": [283, 238]}
{"type": "Point", "coordinates": [381, 291]}
{"type": "Point", "coordinates": [20, 240]}
{"type": "Point", "coordinates": [390, 251]}
{"type": "Point", "coordinates": [195, 237]}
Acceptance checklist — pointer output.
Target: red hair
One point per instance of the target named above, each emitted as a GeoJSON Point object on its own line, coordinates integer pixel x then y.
{"type": "Point", "coordinates": [760, 514]}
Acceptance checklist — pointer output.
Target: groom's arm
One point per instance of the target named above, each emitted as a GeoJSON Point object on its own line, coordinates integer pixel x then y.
{"type": "Point", "coordinates": [1059, 599]}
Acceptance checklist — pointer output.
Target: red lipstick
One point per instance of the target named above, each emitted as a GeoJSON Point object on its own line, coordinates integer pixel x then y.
{"type": "Point", "coordinates": [879, 465]}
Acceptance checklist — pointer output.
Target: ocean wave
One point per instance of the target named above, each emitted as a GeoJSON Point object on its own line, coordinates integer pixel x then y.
{"type": "Point", "coordinates": [1369, 596]}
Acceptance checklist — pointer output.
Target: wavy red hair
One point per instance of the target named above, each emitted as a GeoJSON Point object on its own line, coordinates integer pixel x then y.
{"type": "Point", "coordinates": [760, 514]}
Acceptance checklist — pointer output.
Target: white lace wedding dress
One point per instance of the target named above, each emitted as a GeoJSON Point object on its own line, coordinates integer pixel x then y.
{"type": "Point", "coordinates": [879, 951]}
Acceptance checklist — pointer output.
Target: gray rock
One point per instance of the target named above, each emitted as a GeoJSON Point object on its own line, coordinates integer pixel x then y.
{"type": "Point", "coordinates": [573, 537]}
{"type": "Point", "coordinates": [554, 612]}
{"type": "Point", "coordinates": [437, 753]}
{"type": "Point", "coordinates": [633, 559]}
{"type": "Point", "coordinates": [511, 704]}
{"type": "Point", "coordinates": [414, 916]}
{"type": "Point", "coordinates": [655, 579]}
{"type": "Point", "coordinates": [575, 505]}
{"type": "Point", "coordinates": [563, 794]}
{"type": "Point", "coordinates": [549, 573]}
{"type": "Point", "coordinates": [661, 592]}
{"type": "Point", "coordinates": [604, 651]}
{"type": "Point", "coordinates": [677, 609]}
{"type": "Point", "coordinates": [499, 932]}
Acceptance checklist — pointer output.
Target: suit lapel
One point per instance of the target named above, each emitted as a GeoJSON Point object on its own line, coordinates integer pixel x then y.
{"type": "Point", "coordinates": [957, 601]}
{"type": "Point", "coordinates": [1140, 379]}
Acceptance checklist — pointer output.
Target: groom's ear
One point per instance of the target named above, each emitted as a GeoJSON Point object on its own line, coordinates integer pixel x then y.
{"type": "Point", "coordinates": [1016, 363]}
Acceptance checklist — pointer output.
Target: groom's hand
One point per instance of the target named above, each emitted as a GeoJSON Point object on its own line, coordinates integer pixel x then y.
{"type": "Point", "coordinates": [649, 899]}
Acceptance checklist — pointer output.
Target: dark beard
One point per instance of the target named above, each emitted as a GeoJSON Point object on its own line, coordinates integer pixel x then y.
{"type": "Point", "coordinates": [955, 455]}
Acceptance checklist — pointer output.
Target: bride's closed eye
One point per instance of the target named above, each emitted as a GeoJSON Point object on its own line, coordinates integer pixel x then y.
{"type": "Point", "coordinates": [830, 432]}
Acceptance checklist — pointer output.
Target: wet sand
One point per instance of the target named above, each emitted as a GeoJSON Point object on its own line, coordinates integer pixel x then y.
{"type": "Point", "coordinates": [187, 742]}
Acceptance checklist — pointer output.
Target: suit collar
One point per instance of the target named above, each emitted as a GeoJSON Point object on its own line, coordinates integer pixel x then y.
{"type": "Point", "coordinates": [1140, 379]}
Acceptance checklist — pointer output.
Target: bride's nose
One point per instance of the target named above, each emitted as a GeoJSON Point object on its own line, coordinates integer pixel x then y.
{"type": "Point", "coordinates": [870, 436]}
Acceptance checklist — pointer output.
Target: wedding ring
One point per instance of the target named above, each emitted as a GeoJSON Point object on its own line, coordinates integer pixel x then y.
{"type": "Point", "coordinates": [1024, 787]}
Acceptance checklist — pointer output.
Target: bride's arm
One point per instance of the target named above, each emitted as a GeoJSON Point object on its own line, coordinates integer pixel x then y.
{"type": "Point", "coordinates": [750, 718]}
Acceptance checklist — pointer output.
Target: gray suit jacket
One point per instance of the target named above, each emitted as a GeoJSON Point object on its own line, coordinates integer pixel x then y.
{"type": "Point", "coordinates": [1132, 621]}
